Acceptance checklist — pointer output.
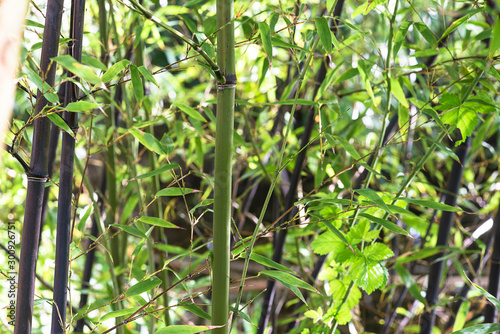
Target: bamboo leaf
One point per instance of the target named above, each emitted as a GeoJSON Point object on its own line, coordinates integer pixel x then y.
{"type": "Point", "coordinates": [196, 310]}
{"type": "Point", "coordinates": [495, 39]}
{"type": "Point", "coordinates": [115, 69]}
{"type": "Point", "coordinates": [493, 300]}
{"type": "Point", "coordinates": [278, 42]}
{"type": "Point", "coordinates": [80, 106]}
{"type": "Point", "coordinates": [430, 204]}
{"type": "Point", "coordinates": [410, 283]}
{"type": "Point", "coordinates": [57, 120]}
{"type": "Point", "coordinates": [398, 93]}
{"type": "Point", "coordinates": [149, 141]}
{"type": "Point", "coordinates": [137, 84]}
{"type": "Point", "coordinates": [130, 230]}
{"type": "Point", "coordinates": [160, 170]}
{"type": "Point", "coordinates": [157, 222]}
{"type": "Point", "coordinates": [267, 262]}
{"type": "Point", "coordinates": [338, 234]}
{"type": "Point", "coordinates": [400, 36]}
{"type": "Point", "coordinates": [174, 191]}
{"type": "Point", "coordinates": [426, 34]}
{"type": "Point", "coordinates": [143, 286]}
{"type": "Point", "coordinates": [385, 223]}
{"type": "Point", "coordinates": [78, 69]}
{"type": "Point", "coordinates": [93, 62]}
{"type": "Point", "coordinates": [375, 198]}
{"type": "Point", "coordinates": [146, 74]}
{"type": "Point", "coordinates": [324, 33]}
{"type": "Point", "coordinates": [287, 278]}
{"type": "Point", "coordinates": [348, 147]}
{"type": "Point", "coordinates": [265, 36]}
{"type": "Point", "coordinates": [454, 25]}
{"type": "Point", "coordinates": [119, 313]}
{"type": "Point", "coordinates": [190, 111]}
{"type": "Point", "coordinates": [479, 329]}
{"type": "Point", "coordinates": [184, 329]}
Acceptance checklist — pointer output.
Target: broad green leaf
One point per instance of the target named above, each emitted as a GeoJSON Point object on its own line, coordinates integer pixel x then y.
{"type": "Point", "coordinates": [57, 120]}
{"type": "Point", "coordinates": [31, 23]}
{"type": "Point", "coordinates": [160, 170]}
{"type": "Point", "coordinates": [339, 234]}
{"type": "Point", "coordinates": [78, 69]}
{"type": "Point", "coordinates": [426, 33]}
{"type": "Point", "coordinates": [372, 4]}
{"type": "Point", "coordinates": [479, 329]}
{"type": "Point", "coordinates": [495, 40]}
{"type": "Point", "coordinates": [190, 111]}
{"type": "Point", "coordinates": [385, 223]}
{"type": "Point", "coordinates": [83, 219]}
{"type": "Point", "coordinates": [398, 93]}
{"type": "Point", "coordinates": [130, 230]}
{"type": "Point", "coordinates": [174, 191]}
{"type": "Point", "coordinates": [93, 62]}
{"type": "Point", "coordinates": [184, 329]}
{"type": "Point", "coordinates": [119, 313]}
{"type": "Point", "coordinates": [265, 36]}
{"type": "Point", "coordinates": [80, 106]}
{"type": "Point", "coordinates": [146, 74]}
{"type": "Point", "coordinates": [429, 204]}
{"type": "Point", "coordinates": [324, 33]}
{"type": "Point", "coordinates": [326, 243]}
{"type": "Point", "coordinates": [461, 317]}
{"type": "Point", "coordinates": [464, 119]}
{"type": "Point", "coordinates": [157, 222]}
{"type": "Point", "coordinates": [115, 69]}
{"type": "Point", "coordinates": [400, 36]}
{"type": "Point", "coordinates": [370, 274]}
{"type": "Point", "coordinates": [196, 310]}
{"type": "Point", "coordinates": [378, 252]}
{"type": "Point", "coordinates": [137, 84]}
{"type": "Point", "coordinates": [360, 9]}
{"type": "Point", "coordinates": [267, 262]}
{"type": "Point", "coordinates": [410, 283]}
{"type": "Point", "coordinates": [375, 198]}
{"type": "Point", "coordinates": [143, 286]}
{"type": "Point", "coordinates": [350, 73]}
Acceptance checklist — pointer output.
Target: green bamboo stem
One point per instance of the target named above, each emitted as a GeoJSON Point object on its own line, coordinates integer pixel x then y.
{"type": "Point", "coordinates": [223, 166]}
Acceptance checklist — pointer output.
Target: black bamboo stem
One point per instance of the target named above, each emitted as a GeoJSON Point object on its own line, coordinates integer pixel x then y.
{"type": "Point", "coordinates": [66, 181]}
{"type": "Point", "coordinates": [37, 176]}
{"type": "Point", "coordinates": [436, 269]}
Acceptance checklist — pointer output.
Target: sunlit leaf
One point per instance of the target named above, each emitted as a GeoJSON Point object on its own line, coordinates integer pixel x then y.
{"type": "Point", "coordinates": [143, 286]}
{"type": "Point", "coordinates": [324, 33]}
{"type": "Point", "coordinates": [78, 69]}
{"type": "Point", "coordinates": [265, 36]}
{"type": "Point", "coordinates": [190, 111]}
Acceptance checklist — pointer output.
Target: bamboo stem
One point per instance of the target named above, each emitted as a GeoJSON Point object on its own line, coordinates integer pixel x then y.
{"type": "Point", "coordinates": [223, 166]}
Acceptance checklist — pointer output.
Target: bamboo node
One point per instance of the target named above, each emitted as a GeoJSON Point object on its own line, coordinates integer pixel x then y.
{"type": "Point", "coordinates": [38, 178]}
{"type": "Point", "coordinates": [226, 86]}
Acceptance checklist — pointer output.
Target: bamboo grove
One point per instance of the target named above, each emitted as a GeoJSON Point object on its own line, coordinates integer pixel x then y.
{"type": "Point", "coordinates": [253, 167]}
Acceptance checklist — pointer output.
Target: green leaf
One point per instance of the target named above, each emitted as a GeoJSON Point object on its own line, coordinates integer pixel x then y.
{"type": "Point", "coordinates": [350, 73]}
{"type": "Point", "coordinates": [146, 74]}
{"type": "Point", "coordinates": [348, 147]}
{"type": "Point", "coordinates": [337, 233]}
{"type": "Point", "coordinates": [174, 192]}
{"type": "Point", "coordinates": [326, 243]}
{"type": "Point", "coordinates": [130, 230]}
{"type": "Point", "coordinates": [265, 36]}
{"type": "Point", "coordinates": [378, 252]}
{"type": "Point", "coordinates": [461, 317]}
{"type": "Point", "coordinates": [190, 111]}
{"type": "Point", "coordinates": [160, 170]}
{"type": "Point", "coordinates": [431, 112]}
{"type": "Point", "coordinates": [149, 141]}
{"type": "Point", "coordinates": [398, 93]}
{"type": "Point", "coordinates": [267, 262]}
{"type": "Point", "coordinates": [80, 106]}
{"type": "Point", "coordinates": [83, 220]}
{"type": "Point", "coordinates": [385, 223]}
{"type": "Point", "coordinates": [280, 43]}
{"type": "Point", "coordinates": [137, 84]}
{"type": "Point", "coordinates": [375, 198]}
{"type": "Point", "coordinates": [426, 34]}
{"type": "Point", "coordinates": [143, 286]}
{"type": "Point", "coordinates": [196, 310]}
{"type": "Point", "coordinates": [78, 69]}
{"type": "Point", "coordinates": [403, 121]}
{"type": "Point", "coordinates": [370, 274]}
{"type": "Point", "coordinates": [184, 329]}
{"type": "Point", "coordinates": [430, 204]}
{"type": "Point", "coordinates": [287, 278]}
{"type": "Point", "coordinates": [454, 25]}
{"type": "Point", "coordinates": [489, 296]}
{"type": "Point", "coordinates": [115, 69]}
{"type": "Point", "coordinates": [93, 62]}
{"type": "Point", "coordinates": [324, 33]}
{"type": "Point", "coordinates": [495, 40]}
{"type": "Point", "coordinates": [119, 313]}
{"type": "Point", "coordinates": [479, 329]}
{"type": "Point", "coordinates": [410, 283]}
{"type": "Point", "coordinates": [157, 222]}
{"type": "Point", "coordinates": [57, 120]}
{"type": "Point", "coordinates": [400, 36]}
{"type": "Point", "coordinates": [464, 119]}
{"type": "Point", "coordinates": [364, 76]}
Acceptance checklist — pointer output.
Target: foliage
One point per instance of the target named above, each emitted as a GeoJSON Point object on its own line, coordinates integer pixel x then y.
{"type": "Point", "coordinates": [366, 206]}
